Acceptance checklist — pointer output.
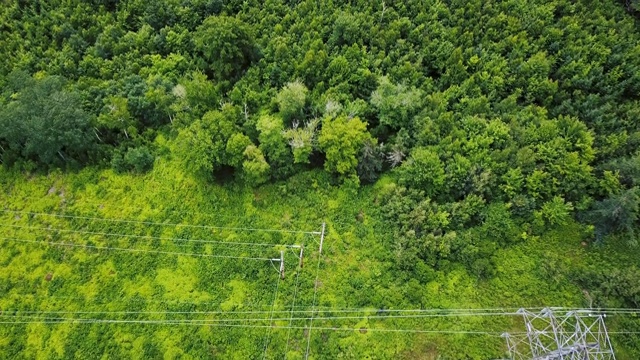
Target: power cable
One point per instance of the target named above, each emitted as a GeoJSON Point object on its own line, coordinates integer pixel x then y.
{"type": "Point", "coordinates": [99, 203]}
{"type": "Point", "coordinates": [134, 250]}
{"type": "Point", "coordinates": [145, 236]}
{"type": "Point", "coordinates": [295, 292]}
{"type": "Point", "coordinates": [270, 312]}
{"type": "Point", "coordinates": [313, 304]}
{"type": "Point", "coordinates": [271, 318]}
{"type": "Point", "coordinates": [275, 298]}
{"type": "Point", "coordinates": [157, 223]}
{"type": "Point", "coordinates": [180, 322]}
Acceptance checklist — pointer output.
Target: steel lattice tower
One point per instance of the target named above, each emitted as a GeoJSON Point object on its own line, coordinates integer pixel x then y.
{"type": "Point", "coordinates": [574, 335]}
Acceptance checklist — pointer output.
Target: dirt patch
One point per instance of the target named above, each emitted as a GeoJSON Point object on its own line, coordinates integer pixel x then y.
{"type": "Point", "coordinates": [48, 277]}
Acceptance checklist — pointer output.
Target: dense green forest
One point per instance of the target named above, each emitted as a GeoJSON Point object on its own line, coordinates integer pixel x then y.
{"type": "Point", "coordinates": [462, 154]}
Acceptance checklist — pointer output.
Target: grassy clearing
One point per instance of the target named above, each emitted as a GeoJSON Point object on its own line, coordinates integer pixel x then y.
{"type": "Point", "coordinates": [356, 271]}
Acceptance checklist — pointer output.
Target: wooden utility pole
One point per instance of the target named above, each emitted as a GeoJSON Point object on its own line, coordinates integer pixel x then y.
{"type": "Point", "coordinates": [322, 237]}
{"type": "Point", "coordinates": [301, 264]}
{"type": "Point", "coordinates": [282, 264]}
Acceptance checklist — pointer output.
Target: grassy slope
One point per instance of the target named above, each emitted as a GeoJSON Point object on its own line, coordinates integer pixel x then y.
{"type": "Point", "coordinates": [355, 272]}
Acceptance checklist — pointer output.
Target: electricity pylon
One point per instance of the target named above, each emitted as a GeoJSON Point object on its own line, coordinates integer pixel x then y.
{"type": "Point", "coordinates": [550, 335]}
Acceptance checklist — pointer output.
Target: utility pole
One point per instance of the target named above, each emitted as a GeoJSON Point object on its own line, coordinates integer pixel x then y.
{"type": "Point", "coordinates": [282, 264]}
{"type": "Point", "coordinates": [301, 257]}
{"type": "Point", "coordinates": [281, 261]}
{"type": "Point", "coordinates": [322, 237]}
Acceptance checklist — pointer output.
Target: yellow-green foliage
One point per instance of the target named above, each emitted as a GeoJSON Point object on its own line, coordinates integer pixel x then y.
{"type": "Point", "coordinates": [357, 271]}
{"type": "Point", "coordinates": [237, 297]}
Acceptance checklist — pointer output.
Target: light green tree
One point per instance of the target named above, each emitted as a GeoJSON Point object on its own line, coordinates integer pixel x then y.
{"type": "Point", "coordinates": [342, 139]}
{"type": "Point", "coordinates": [255, 169]}
{"type": "Point", "coordinates": [291, 100]}
{"type": "Point", "coordinates": [396, 103]}
{"type": "Point", "coordinates": [271, 136]}
{"type": "Point", "coordinates": [117, 117]}
{"type": "Point", "coordinates": [273, 144]}
{"type": "Point", "coordinates": [202, 146]}
{"type": "Point", "coordinates": [555, 212]}
{"type": "Point", "coordinates": [302, 140]}
{"type": "Point", "coordinates": [236, 145]}
{"type": "Point", "coordinates": [513, 182]}
{"type": "Point", "coordinates": [194, 95]}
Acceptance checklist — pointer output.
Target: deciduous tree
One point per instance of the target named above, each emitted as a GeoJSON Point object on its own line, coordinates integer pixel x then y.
{"type": "Point", "coordinates": [341, 139]}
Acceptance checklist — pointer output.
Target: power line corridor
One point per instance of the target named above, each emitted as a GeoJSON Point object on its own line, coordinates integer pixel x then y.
{"type": "Point", "coordinates": [303, 319]}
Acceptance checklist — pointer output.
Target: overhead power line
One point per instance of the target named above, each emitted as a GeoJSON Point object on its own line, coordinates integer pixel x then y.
{"type": "Point", "coordinates": [151, 299]}
{"type": "Point", "coordinates": [101, 202]}
{"type": "Point", "coordinates": [439, 312]}
{"type": "Point", "coordinates": [132, 250]}
{"type": "Point", "coordinates": [315, 291]}
{"type": "Point", "coordinates": [268, 337]}
{"type": "Point", "coordinates": [178, 322]}
{"type": "Point", "coordinates": [293, 305]}
{"type": "Point", "coordinates": [182, 322]}
{"type": "Point", "coordinates": [325, 309]}
{"type": "Point", "coordinates": [316, 318]}
{"type": "Point", "coordinates": [144, 236]}
{"type": "Point", "coordinates": [158, 223]}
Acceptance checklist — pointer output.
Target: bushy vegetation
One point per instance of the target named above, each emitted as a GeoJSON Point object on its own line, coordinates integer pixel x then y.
{"type": "Point", "coordinates": [463, 153]}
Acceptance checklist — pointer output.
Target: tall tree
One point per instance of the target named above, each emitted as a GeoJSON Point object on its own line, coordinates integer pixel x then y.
{"type": "Point", "coordinates": [45, 123]}
{"type": "Point", "coordinates": [226, 45]}
{"type": "Point", "coordinates": [273, 144]}
{"type": "Point", "coordinates": [423, 170]}
{"type": "Point", "coordinates": [291, 101]}
{"type": "Point", "coordinates": [341, 139]}
{"type": "Point", "coordinates": [255, 169]}
{"type": "Point", "coordinates": [617, 214]}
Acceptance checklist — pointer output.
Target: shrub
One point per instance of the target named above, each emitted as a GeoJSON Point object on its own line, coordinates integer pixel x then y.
{"type": "Point", "coordinates": [138, 160]}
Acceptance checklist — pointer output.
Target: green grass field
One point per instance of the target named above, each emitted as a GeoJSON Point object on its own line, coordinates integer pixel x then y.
{"type": "Point", "coordinates": [154, 303]}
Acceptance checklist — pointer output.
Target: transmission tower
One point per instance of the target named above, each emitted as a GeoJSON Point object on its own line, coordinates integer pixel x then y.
{"type": "Point", "coordinates": [550, 335]}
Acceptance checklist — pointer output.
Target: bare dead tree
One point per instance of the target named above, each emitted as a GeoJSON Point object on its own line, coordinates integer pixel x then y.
{"type": "Point", "coordinates": [395, 156]}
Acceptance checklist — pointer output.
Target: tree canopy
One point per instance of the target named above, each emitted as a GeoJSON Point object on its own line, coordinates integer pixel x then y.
{"type": "Point", "coordinates": [465, 129]}
{"type": "Point", "coordinates": [42, 122]}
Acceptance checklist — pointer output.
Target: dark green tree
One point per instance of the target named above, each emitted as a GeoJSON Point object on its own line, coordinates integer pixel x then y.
{"type": "Point", "coordinates": [44, 123]}
{"type": "Point", "coordinates": [370, 161]}
{"type": "Point", "coordinates": [226, 45]}
{"type": "Point", "coordinates": [423, 170]}
{"type": "Point", "coordinates": [616, 214]}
